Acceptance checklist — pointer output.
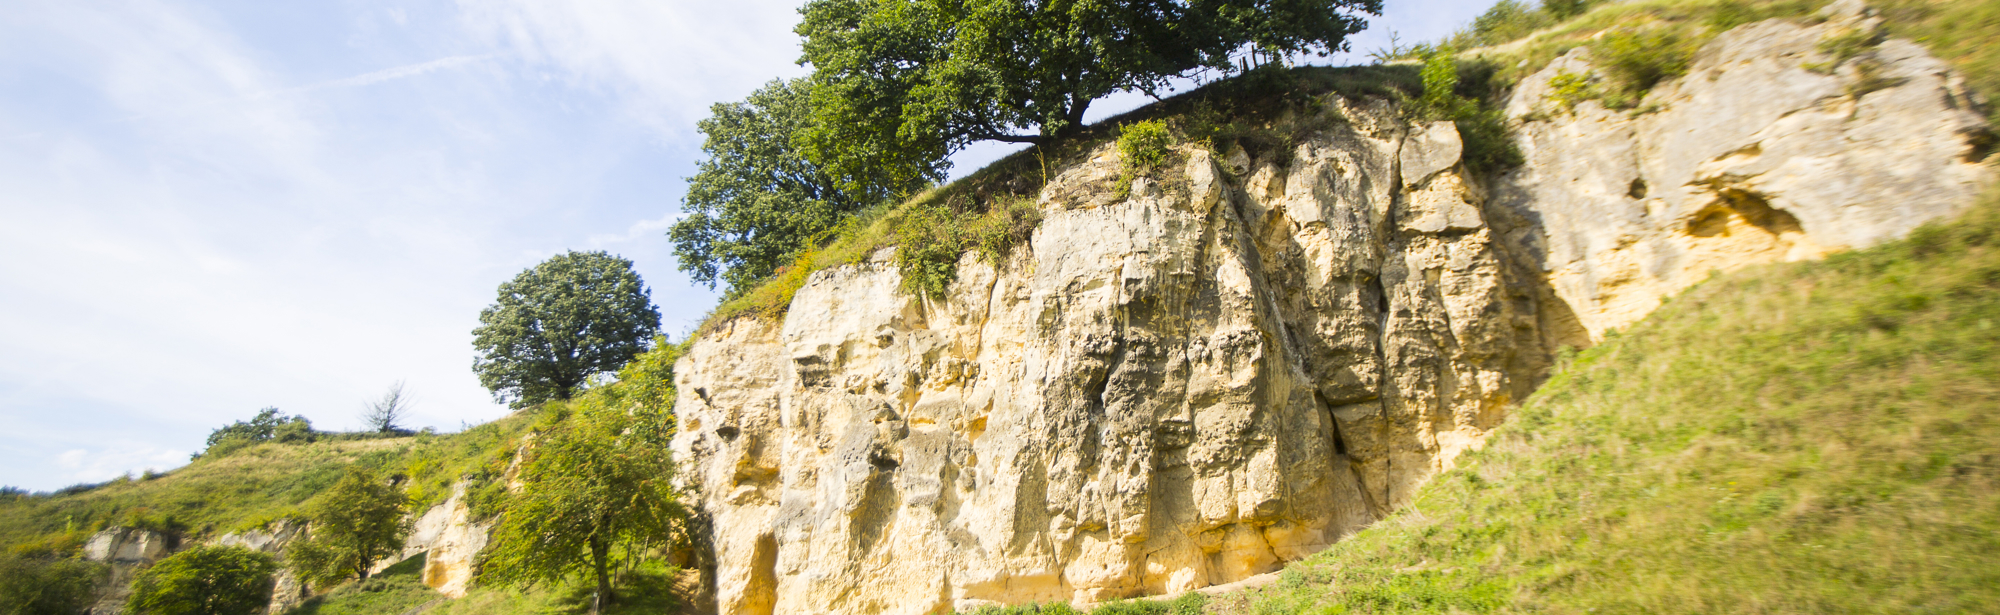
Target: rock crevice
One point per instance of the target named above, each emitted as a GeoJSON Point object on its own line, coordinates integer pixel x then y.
{"type": "Point", "coordinates": [1239, 364]}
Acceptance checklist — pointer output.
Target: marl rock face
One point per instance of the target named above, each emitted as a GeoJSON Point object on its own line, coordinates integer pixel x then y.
{"type": "Point", "coordinates": [1239, 363]}
{"type": "Point", "coordinates": [1768, 150]}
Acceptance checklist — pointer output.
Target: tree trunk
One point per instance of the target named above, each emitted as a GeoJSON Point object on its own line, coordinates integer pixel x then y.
{"type": "Point", "coordinates": [600, 554]}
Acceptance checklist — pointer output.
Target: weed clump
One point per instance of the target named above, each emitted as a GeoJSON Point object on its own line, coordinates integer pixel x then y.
{"type": "Point", "coordinates": [931, 237]}
{"type": "Point", "coordinates": [1636, 60]}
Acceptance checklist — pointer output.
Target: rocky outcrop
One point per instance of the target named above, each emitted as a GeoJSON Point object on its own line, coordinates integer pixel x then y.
{"type": "Point", "coordinates": [450, 540]}
{"type": "Point", "coordinates": [1769, 150]}
{"type": "Point", "coordinates": [1237, 363]}
{"type": "Point", "coordinates": [124, 551]}
{"type": "Point", "coordinates": [446, 534]}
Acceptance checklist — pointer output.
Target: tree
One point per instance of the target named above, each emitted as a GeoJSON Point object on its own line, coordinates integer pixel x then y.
{"type": "Point", "coordinates": [923, 78]}
{"type": "Point", "coordinates": [756, 200]}
{"type": "Point", "coordinates": [381, 416]}
{"type": "Point", "coordinates": [596, 476]}
{"type": "Point", "coordinates": [206, 580]}
{"type": "Point", "coordinates": [355, 524]}
{"type": "Point", "coordinates": [556, 325]}
{"type": "Point", "coordinates": [39, 586]}
{"type": "Point", "coordinates": [267, 426]}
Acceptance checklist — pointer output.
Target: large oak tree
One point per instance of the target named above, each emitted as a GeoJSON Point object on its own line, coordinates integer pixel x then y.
{"type": "Point", "coordinates": [920, 79]}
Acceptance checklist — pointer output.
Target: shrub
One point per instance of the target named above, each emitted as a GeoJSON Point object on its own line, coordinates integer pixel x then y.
{"type": "Point", "coordinates": [1565, 9]}
{"type": "Point", "coordinates": [1508, 20]}
{"type": "Point", "coordinates": [1637, 60]}
{"type": "Point", "coordinates": [1569, 89]}
{"type": "Point", "coordinates": [206, 580]}
{"type": "Point", "coordinates": [33, 586]}
{"type": "Point", "coordinates": [1144, 146]}
{"type": "Point", "coordinates": [268, 425]}
{"type": "Point", "coordinates": [928, 243]}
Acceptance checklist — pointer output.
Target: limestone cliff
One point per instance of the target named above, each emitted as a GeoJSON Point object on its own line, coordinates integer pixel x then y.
{"type": "Point", "coordinates": [1194, 380]}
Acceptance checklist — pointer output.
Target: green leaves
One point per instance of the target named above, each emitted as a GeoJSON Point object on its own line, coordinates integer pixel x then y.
{"type": "Point", "coordinates": [596, 474]}
{"type": "Point", "coordinates": [574, 316]}
{"type": "Point", "coordinates": [355, 524]}
{"type": "Point", "coordinates": [205, 580]}
{"type": "Point", "coordinates": [36, 586]}
{"type": "Point", "coordinates": [920, 79]}
{"type": "Point", "coordinates": [756, 200]}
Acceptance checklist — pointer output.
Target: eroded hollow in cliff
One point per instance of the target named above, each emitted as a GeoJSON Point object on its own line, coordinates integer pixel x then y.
{"type": "Point", "coordinates": [1753, 208]}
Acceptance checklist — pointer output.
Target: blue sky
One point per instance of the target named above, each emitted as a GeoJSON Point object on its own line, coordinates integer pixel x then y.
{"type": "Point", "coordinates": [210, 207]}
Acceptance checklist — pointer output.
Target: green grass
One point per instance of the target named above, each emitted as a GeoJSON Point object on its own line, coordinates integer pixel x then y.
{"type": "Point", "coordinates": [650, 589]}
{"type": "Point", "coordinates": [1803, 438]}
{"type": "Point", "coordinates": [1185, 604]}
{"type": "Point", "coordinates": [396, 590]}
{"type": "Point", "coordinates": [256, 485]}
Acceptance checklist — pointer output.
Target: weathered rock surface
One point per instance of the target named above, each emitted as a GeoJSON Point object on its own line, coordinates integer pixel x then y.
{"type": "Point", "coordinates": [124, 550]}
{"type": "Point", "coordinates": [450, 540]}
{"type": "Point", "coordinates": [1247, 359]}
{"type": "Point", "coordinates": [1767, 151]}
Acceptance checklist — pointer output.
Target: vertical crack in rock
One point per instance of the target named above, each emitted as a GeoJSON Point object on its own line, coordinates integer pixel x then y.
{"type": "Point", "coordinates": [1228, 370]}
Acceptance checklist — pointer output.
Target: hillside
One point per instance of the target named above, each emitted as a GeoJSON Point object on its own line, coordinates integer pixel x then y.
{"type": "Point", "coordinates": [1538, 326]}
{"type": "Point", "coordinates": [1804, 438]}
{"type": "Point", "coordinates": [252, 487]}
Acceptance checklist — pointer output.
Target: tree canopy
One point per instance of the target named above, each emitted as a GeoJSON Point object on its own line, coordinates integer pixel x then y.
{"type": "Point", "coordinates": [355, 524]}
{"type": "Point", "coordinates": [559, 323]}
{"type": "Point", "coordinates": [267, 426]}
{"type": "Point", "coordinates": [756, 200]}
{"type": "Point", "coordinates": [205, 580]}
{"type": "Point", "coordinates": [595, 476]}
{"type": "Point", "coordinates": [923, 78]}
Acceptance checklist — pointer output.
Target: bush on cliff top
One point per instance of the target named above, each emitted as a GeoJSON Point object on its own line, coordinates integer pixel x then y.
{"type": "Point", "coordinates": [1811, 437]}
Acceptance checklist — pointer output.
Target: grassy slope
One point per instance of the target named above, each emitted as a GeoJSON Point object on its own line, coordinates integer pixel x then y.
{"type": "Point", "coordinates": [253, 486]}
{"type": "Point", "coordinates": [1816, 437]}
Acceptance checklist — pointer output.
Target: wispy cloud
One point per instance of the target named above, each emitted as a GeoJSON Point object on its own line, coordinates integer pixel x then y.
{"type": "Point", "coordinates": [390, 74]}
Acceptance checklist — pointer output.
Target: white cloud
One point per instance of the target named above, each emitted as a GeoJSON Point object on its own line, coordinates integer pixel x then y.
{"type": "Point", "coordinates": [667, 61]}
{"type": "Point", "coordinates": [388, 74]}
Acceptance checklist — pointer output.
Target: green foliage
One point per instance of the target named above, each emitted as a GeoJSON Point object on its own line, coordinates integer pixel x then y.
{"type": "Point", "coordinates": [1565, 9]}
{"type": "Point", "coordinates": [596, 478]}
{"type": "Point", "coordinates": [1568, 89]}
{"type": "Point", "coordinates": [42, 586]}
{"type": "Point", "coordinates": [1440, 99]}
{"type": "Point", "coordinates": [358, 522]}
{"type": "Point", "coordinates": [1805, 438]}
{"type": "Point", "coordinates": [930, 238]}
{"type": "Point", "coordinates": [1482, 125]}
{"type": "Point", "coordinates": [556, 325]}
{"type": "Point", "coordinates": [756, 202]}
{"type": "Point", "coordinates": [267, 426]}
{"type": "Point", "coordinates": [919, 79]}
{"type": "Point", "coordinates": [1144, 145]}
{"type": "Point", "coordinates": [1507, 20]}
{"type": "Point", "coordinates": [1635, 60]}
{"type": "Point", "coordinates": [204, 580]}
